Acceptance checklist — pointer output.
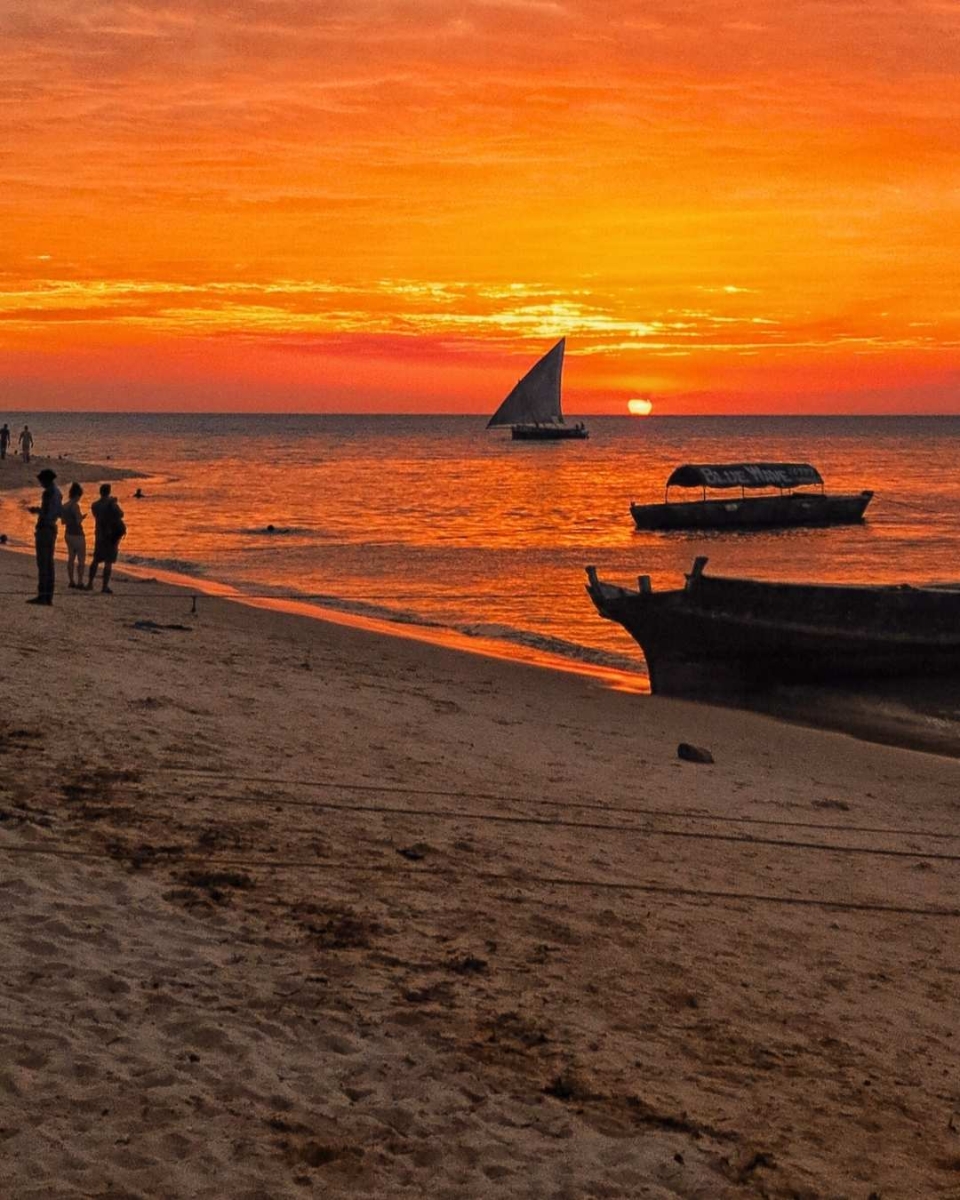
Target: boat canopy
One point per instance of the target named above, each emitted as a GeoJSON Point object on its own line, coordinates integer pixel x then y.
{"type": "Point", "coordinates": [536, 398]}
{"type": "Point", "coordinates": [745, 475]}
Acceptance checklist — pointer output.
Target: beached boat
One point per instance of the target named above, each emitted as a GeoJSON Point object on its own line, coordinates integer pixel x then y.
{"type": "Point", "coordinates": [532, 410]}
{"type": "Point", "coordinates": [787, 499]}
{"type": "Point", "coordinates": [721, 636]}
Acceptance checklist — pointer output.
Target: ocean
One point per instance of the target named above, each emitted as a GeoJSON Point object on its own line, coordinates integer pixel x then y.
{"type": "Point", "coordinates": [435, 523]}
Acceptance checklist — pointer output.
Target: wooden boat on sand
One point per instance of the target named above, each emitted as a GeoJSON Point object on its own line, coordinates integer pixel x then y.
{"type": "Point", "coordinates": [532, 410]}
{"type": "Point", "coordinates": [786, 499]}
{"type": "Point", "coordinates": [724, 637]}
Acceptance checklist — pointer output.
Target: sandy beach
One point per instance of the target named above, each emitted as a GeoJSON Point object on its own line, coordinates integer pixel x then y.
{"type": "Point", "coordinates": [294, 908]}
{"type": "Point", "coordinates": [15, 473]}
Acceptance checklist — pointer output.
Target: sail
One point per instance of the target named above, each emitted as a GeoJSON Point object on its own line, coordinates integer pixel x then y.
{"type": "Point", "coordinates": [536, 398]}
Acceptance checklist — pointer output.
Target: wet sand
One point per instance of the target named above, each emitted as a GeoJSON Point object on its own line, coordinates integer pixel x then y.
{"type": "Point", "coordinates": [15, 473]}
{"type": "Point", "coordinates": [291, 906]}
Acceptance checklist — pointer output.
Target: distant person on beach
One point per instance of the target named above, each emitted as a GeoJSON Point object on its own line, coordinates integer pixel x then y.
{"type": "Point", "coordinates": [109, 529]}
{"type": "Point", "coordinates": [26, 444]}
{"type": "Point", "coordinates": [73, 520]}
{"type": "Point", "coordinates": [45, 535]}
{"type": "Point", "coordinates": [4, 439]}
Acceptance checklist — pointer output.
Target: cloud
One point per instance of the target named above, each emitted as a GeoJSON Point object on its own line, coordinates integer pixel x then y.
{"type": "Point", "coordinates": [312, 314]}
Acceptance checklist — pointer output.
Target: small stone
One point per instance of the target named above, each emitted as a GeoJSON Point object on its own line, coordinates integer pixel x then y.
{"type": "Point", "coordinates": [414, 853]}
{"type": "Point", "coordinates": [695, 754]}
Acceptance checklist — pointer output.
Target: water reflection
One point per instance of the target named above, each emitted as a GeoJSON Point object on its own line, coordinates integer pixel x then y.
{"type": "Point", "coordinates": [441, 522]}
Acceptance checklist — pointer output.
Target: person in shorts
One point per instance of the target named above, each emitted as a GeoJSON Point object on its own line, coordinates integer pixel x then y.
{"type": "Point", "coordinates": [108, 530]}
{"type": "Point", "coordinates": [73, 519]}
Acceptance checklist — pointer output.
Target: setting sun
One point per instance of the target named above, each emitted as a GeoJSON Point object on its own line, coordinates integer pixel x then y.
{"type": "Point", "coordinates": [640, 408]}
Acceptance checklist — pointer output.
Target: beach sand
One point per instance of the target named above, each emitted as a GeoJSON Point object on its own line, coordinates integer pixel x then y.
{"type": "Point", "coordinates": [15, 473]}
{"type": "Point", "coordinates": [291, 908]}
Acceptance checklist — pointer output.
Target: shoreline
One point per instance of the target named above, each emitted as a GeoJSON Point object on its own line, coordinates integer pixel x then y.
{"type": "Point", "coordinates": [878, 717]}
{"type": "Point", "coordinates": [192, 585]}
{"type": "Point", "coordinates": [622, 681]}
{"type": "Point", "coordinates": [16, 474]}
{"type": "Point", "coordinates": [867, 717]}
{"type": "Point", "coordinates": [827, 710]}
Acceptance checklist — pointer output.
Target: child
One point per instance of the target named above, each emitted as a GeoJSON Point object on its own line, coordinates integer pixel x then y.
{"type": "Point", "coordinates": [73, 519]}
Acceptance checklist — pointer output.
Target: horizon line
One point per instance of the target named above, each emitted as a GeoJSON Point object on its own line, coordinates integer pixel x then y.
{"type": "Point", "coordinates": [625, 416]}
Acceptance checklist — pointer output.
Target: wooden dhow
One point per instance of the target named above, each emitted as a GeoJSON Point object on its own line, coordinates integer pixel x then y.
{"type": "Point", "coordinates": [532, 410]}
{"type": "Point", "coordinates": [720, 636]}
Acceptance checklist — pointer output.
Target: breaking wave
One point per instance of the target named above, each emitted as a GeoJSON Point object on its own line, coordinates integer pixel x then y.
{"type": "Point", "coordinates": [560, 647]}
{"type": "Point", "coordinates": [504, 635]}
{"type": "Point", "coordinates": [180, 566]}
{"type": "Point", "coordinates": [491, 632]}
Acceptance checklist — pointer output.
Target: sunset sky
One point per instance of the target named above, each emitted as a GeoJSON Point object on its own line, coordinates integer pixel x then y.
{"type": "Point", "coordinates": [336, 205]}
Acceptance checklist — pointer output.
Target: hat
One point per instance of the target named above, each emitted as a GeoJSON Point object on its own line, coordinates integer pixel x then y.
{"type": "Point", "coordinates": [47, 476]}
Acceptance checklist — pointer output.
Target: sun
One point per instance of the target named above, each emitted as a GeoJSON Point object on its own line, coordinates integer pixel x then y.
{"type": "Point", "coordinates": [640, 408]}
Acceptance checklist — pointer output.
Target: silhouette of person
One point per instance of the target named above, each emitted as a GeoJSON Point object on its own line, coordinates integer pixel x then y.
{"type": "Point", "coordinates": [73, 520]}
{"type": "Point", "coordinates": [26, 444]}
{"type": "Point", "coordinates": [4, 439]}
{"type": "Point", "coordinates": [45, 535]}
{"type": "Point", "coordinates": [109, 529]}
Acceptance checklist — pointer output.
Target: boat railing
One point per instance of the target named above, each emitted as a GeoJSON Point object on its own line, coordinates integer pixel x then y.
{"type": "Point", "coordinates": [895, 609]}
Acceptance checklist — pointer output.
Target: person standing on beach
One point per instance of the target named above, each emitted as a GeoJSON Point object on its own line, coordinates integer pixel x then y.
{"type": "Point", "coordinates": [45, 535]}
{"type": "Point", "coordinates": [4, 439]}
{"type": "Point", "coordinates": [26, 444]}
{"type": "Point", "coordinates": [109, 529]}
{"type": "Point", "coordinates": [73, 520]}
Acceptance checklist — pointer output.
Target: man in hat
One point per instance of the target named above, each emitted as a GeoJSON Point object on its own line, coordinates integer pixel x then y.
{"type": "Point", "coordinates": [45, 535]}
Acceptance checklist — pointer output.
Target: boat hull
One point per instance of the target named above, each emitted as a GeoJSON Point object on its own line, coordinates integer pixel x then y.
{"type": "Point", "coordinates": [728, 637]}
{"type": "Point", "coordinates": [548, 433]}
{"type": "Point", "coordinates": [754, 512]}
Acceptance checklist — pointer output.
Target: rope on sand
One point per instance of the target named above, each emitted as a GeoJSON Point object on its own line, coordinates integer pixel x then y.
{"type": "Point", "coordinates": [513, 880]}
{"type": "Point", "coordinates": [506, 798]}
{"type": "Point", "coordinates": [592, 826]}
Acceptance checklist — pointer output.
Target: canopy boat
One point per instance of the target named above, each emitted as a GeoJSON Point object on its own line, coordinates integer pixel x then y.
{"type": "Point", "coordinates": [787, 499]}
{"type": "Point", "coordinates": [726, 637]}
{"type": "Point", "coordinates": [532, 410]}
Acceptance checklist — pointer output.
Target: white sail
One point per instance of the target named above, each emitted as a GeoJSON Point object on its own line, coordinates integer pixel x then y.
{"type": "Point", "coordinates": [536, 398]}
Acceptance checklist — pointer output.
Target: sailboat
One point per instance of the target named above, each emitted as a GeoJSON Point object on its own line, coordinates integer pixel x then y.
{"type": "Point", "coordinates": [532, 410]}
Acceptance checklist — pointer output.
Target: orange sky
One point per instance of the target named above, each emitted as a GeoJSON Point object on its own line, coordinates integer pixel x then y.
{"type": "Point", "coordinates": [397, 205]}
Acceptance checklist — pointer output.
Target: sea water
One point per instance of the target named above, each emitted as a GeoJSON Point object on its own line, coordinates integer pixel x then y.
{"type": "Point", "coordinates": [438, 524]}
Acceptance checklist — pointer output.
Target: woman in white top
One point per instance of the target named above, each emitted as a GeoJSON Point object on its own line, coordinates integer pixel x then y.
{"type": "Point", "coordinates": [73, 519]}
